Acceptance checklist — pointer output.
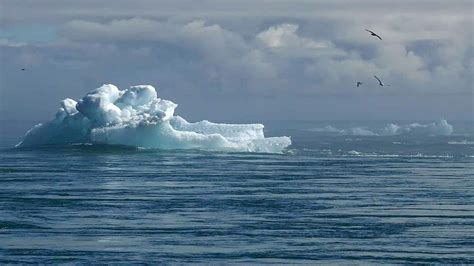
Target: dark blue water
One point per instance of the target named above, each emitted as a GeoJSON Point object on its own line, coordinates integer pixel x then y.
{"type": "Point", "coordinates": [329, 199]}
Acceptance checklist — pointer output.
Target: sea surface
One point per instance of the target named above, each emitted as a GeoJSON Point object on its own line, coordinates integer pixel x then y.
{"type": "Point", "coordinates": [334, 197]}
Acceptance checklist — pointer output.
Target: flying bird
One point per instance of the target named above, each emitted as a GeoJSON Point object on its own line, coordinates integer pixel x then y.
{"type": "Point", "coordinates": [373, 34]}
{"type": "Point", "coordinates": [22, 69]}
{"type": "Point", "coordinates": [358, 84]}
{"type": "Point", "coordinates": [380, 82]}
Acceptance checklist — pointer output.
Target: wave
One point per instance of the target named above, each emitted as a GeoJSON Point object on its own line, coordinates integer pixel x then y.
{"type": "Point", "coordinates": [462, 142]}
{"type": "Point", "coordinates": [440, 128]}
{"type": "Point", "coordinates": [137, 117]}
{"type": "Point", "coordinates": [354, 153]}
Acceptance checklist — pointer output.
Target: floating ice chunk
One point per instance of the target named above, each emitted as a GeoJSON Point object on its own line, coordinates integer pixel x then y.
{"type": "Point", "coordinates": [440, 128]}
{"type": "Point", "coordinates": [359, 131]}
{"type": "Point", "coordinates": [391, 129]}
{"type": "Point", "coordinates": [137, 117]}
{"type": "Point", "coordinates": [328, 129]}
{"type": "Point", "coordinates": [353, 152]}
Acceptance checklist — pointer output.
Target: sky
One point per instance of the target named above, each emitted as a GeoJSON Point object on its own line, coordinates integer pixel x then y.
{"type": "Point", "coordinates": [244, 60]}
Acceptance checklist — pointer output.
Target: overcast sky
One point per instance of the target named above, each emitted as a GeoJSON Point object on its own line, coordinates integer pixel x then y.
{"type": "Point", "coordinates": [243, 60]}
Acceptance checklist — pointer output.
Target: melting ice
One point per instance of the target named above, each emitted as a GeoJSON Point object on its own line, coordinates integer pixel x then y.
{"type": "Point", "coordinates": [137, 117]}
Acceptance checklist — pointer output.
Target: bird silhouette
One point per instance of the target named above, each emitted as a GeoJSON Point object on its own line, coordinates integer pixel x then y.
{"type": "Point", "coordinates": [22, 69]}
{"type": "Point", "coordinates": [374, 34]}
{"type": "Point", "coordinates": [380, 82]}
{"type": "Point", "coordinates": [358, 84]}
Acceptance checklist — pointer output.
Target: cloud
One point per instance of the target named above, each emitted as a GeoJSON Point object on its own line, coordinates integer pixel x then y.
{"type": "Point", "coordinates": [284, 41]}
{"type": "Point", "coordinates": [221, 59]}
{"type": "Point", "coordinates": [277, 58]}
{"type": "Point", "coordinates": [244, 49]}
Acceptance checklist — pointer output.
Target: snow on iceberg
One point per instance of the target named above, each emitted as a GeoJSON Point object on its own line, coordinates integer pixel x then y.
{"type": "Point", "coordinates": [137, 117]}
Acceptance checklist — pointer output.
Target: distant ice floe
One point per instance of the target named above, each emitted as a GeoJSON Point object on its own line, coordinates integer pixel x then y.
{"type": "Point", "coordinates": [137, 117]}
{"type": "Point", "coordinates": [440, 128]}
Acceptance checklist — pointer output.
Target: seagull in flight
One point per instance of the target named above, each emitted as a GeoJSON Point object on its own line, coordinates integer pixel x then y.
{"type": "Point", "coordinates": [373, 34]}
{"type": "Point", "coordinates": [358, 84]}
{"type": "Point", "coordinates": [380, 82]}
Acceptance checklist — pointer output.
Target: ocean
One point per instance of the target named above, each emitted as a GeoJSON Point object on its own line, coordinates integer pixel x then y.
{"type": "Point", "coordinates": [345, 192]}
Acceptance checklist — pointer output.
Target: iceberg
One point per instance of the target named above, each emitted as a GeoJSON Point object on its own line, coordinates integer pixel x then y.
{"type": "Point", "coordinates": [137, 117]}
{"type": "Point", "coordinates": [440, 128]}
